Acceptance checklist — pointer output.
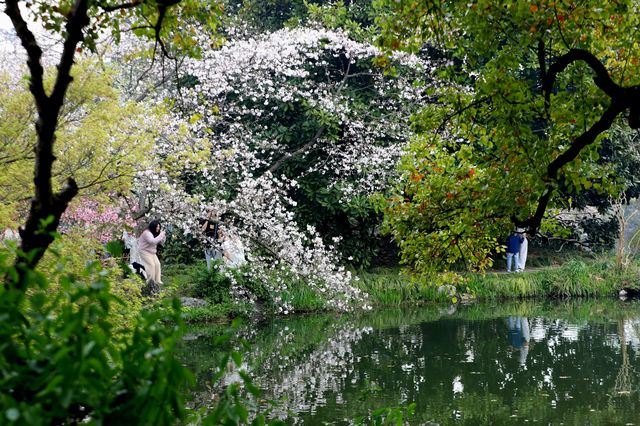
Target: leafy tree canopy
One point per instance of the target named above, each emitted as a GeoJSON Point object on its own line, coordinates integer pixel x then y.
{"type": "Point", "coordinates": [273, 15]}
{"type": "Point", "coordinates": [80, 23]}
{"type": "Point", "coordinates": [534, 87]}
{"type": "Point", "coordinates": [121, 136]}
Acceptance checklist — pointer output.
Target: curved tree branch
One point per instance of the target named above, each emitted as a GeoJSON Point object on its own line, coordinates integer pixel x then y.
{"type": "Point", "coordinates": [621, 100]}
{"type": "Point", "coordinates": [601, 78]}
{"type": "Point", "coordinates": [34, 52]}
{"type": "Point", "coordinates": [566, 157]}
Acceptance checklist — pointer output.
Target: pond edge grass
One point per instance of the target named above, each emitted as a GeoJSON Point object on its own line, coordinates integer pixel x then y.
{"type": "Point", "coordinates": [392, 288]}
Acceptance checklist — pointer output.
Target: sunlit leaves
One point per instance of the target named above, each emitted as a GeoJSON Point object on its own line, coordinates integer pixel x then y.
{"type": "Point", "coordinates": [101, 142]}
{"type": "Point", "coordinates": [173, 25]}
{"type": "Point", "coordinates": [502, 124]}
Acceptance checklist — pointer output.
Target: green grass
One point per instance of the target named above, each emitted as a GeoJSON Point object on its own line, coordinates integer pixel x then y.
{"type": "Point", "coordinates": [195, 281]}
{"type": "Point", "coordinates": [179, 278]}
{"type": "Point", "coordinates": [391, 288]}
{"type": "Point", "coordinates": [304, 299]}
{"type": "Point", "coordinates": [218, 313]}
{"type": "Point", "coordinates": [577, 277]}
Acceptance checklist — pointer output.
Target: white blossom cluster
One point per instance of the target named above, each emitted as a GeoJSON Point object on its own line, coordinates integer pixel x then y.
{"type": "Point", "coordinates": [230, 144]}
{"type": "Point", "coordinates": [261, 205]}
{"type": "Point", "coordinates": [276, 248]}
{"type": "Point", "coordinates": [246, 88]}
{"type": "Point", "coordinates": [231, 147]}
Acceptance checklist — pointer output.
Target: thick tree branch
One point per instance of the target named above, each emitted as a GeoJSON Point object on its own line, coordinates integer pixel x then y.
{"type": "Point", "coordinates": [34, 52]}
{"type": "Point", "coordinates": [621, 100]}
{"type": "Point", "coordinates": [122, 6]}
{"type": "Point", "coordinates": [601, 78]}
{"type": "Point", "coordinates": [566, 157]}
{"type": "Point", "coordinates": [46, 207]}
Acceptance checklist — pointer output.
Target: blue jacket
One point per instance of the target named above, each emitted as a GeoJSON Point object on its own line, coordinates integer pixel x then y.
{"type": "Point", "coordinates": [513, 243]}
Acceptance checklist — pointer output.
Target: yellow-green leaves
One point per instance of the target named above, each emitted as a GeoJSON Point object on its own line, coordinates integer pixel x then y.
{"type": "Point", "coordinates": [101, 141]}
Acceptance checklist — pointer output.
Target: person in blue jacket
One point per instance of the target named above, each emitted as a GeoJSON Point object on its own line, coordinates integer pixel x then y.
{"type": "Point", "coordinates": [513, 250]}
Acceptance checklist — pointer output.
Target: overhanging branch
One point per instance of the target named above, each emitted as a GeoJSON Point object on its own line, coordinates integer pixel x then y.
{"type": "Point", "coordinates": [601, 78]}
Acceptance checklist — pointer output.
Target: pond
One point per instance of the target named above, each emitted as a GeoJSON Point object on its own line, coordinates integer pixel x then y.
{"type": "Point", "coordinates": [567, 362]}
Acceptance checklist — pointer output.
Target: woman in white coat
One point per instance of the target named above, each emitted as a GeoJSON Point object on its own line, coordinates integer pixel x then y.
{"type": "Point", "coordinates": [232, 249]}
{"type": "Point", "coordinates": [524, 249]}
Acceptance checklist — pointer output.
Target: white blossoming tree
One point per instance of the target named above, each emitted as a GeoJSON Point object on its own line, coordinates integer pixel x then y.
{"type": "Point", "coordinates": [290, 132]}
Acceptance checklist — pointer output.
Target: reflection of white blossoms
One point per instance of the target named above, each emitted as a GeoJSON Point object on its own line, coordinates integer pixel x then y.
{"type": "Point", "coordinates": [304, 387]}
{"type": "Point", "coordinates": [301, 382]}
{"type": "Point", "coordinates": [458, 387]}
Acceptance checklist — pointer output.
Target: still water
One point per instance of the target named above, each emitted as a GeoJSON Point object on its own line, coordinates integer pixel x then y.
{"type": "Point", "coordinates": [572, 362]}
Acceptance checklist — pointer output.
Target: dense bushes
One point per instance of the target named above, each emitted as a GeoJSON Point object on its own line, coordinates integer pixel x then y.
{"type": "Point", "coordinates": [212, 285]}
{"type": "Point", "coordinates": [62, 362]}
{"type": "Point", "coordinates": [239, 291]}
{"type": "Point", "coordinates": [216, 285]}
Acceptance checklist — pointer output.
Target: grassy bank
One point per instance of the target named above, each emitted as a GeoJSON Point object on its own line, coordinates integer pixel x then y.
{"type": "Point", "coordinates": [389, 287]}
{"type": "Point", "coordinates": [576, 278]}
{"type": "Point", "coordinates": [196, 281]}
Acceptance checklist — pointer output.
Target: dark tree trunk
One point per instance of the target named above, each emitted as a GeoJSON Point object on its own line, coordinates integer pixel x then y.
{"type": "Point", "coordinates": [46, 206]}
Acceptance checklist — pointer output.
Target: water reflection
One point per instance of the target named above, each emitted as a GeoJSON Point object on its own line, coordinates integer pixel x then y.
{"type": "Point", "coordinates": [519, 336]}
{"type": "Point", "coordinates": [572, 362]}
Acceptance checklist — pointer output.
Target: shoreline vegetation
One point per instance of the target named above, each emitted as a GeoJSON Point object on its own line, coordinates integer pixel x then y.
{"type": "Point", "coordinates": [390, 287]}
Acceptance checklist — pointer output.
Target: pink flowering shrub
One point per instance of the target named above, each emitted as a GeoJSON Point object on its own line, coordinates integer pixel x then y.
{"type": "Point", "coordinates": [98, 220]}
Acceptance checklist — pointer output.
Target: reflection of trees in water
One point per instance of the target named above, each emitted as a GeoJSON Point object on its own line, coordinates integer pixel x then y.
{"type": "Point", "coordinates": [336, 368]}
{"type": "Point", "coordinates": [469, 368]}
{"type": "Point", "coordinates": [624, 379]}
{"type": "Point", "coordinates": [301, 383]}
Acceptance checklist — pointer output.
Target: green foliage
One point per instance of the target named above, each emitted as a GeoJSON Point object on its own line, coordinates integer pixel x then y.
{"type": "Point", "coordinates": [487, 152]}
{"type": "Point", "coordinates": [268, 15]}
{"type": "Point", "coordinates": [215, 284]}
{"type": "Point", "coordinates": [219, 313]}
{"type": "Point", "coordinates": [171, 23]}
{"type": "Point", "coordinates": [73, 251]}
{"type": "Point", "coordinates": [575, 278]}
{"type": "Point", "coordinates": [181, 250]}
{"type": "Point", "coordinates": [353, 16]}
{"type": "Point", "coordinates": [355, 222]}
{"type": "Point", "coordinates": [388, 287]}
{"type": "Point", "coordinates": [212, 285]}
{"type": "Point", "coordinates": [303, 298]}
{"type": "Point", "coordinates": [602, 232]}
{"type": "Point", "coordinates": [61, 361]}
{"type": "Point", "coordinates": [438, 212]}
{"type": "Point", "coordinates": [215, 287]}
{"type": "Point", "coordinates": [121, 136]}
{"type": "Point", "coordinates": [397, 416]}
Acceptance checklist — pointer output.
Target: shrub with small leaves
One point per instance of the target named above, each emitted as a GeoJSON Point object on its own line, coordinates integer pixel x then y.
{"type": "Point", "coordinates": [62, 363]}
